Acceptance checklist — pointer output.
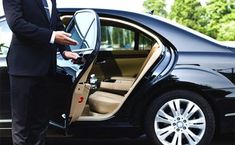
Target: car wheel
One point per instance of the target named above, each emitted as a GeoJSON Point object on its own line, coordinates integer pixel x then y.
{"type": "Point", "coordinates": [180, 117]}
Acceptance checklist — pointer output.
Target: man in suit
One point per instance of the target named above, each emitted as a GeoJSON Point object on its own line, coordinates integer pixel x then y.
{"type": "Point", "coordinates": [37, 33]}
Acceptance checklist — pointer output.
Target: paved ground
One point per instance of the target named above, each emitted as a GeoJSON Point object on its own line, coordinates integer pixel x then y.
{"type": "Point", "coordinates": [228, 139]}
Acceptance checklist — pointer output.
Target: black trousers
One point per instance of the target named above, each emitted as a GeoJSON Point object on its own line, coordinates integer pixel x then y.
{"type": "Point", "coordinates": [29, 104]}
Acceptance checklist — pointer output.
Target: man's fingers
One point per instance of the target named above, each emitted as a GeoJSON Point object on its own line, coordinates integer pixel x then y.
{"type": "Point", "coordinates": [64, 38]}
{"type": "Point", "coordinates": [71, 55]}
{"type": "Point", "coordinates": [70, 41]}
{"type": "Point", "coordinates": [67, 34]}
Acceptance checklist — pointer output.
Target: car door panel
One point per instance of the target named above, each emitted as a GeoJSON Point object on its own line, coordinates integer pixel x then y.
{"type": "Point", "coordinates": [85, 28]}
{"type": "Point", "coordinates": [123, 63]}
{"type": "Point", "coordinates": [80, 95]}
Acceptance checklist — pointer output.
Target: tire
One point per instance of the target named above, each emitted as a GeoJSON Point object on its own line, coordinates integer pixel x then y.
{"type": "Point", "coordinates": [180, 117]}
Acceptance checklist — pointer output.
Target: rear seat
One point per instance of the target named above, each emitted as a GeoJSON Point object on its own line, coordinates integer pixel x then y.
{"type": "Point", "coordinates": [104, 102]}
{"type": "Point", "coordinates": [125, 83]}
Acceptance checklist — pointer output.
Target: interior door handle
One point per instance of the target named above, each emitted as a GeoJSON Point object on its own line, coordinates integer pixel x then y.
{"type": "Point", "coordinates": [101, 62]}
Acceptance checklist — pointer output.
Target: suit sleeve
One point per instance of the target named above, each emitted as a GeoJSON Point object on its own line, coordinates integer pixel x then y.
{"type": "Point", "coordinates": [21, 27]}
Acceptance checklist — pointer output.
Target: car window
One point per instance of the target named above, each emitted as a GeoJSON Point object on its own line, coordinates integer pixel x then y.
{"type": "Point", "coordinates": [76, 36]}
{"type": "Point", "coordinates": [145, 42]}
{"type": "Point", "coordinates": [115, 37]}
{"type": "Point", "coordinates": [85, 29]}
{"type": "Point", "coordinates": [5, 37]}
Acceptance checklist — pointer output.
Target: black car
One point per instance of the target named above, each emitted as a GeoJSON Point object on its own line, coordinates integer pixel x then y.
{"type": "Point", "coordinates": [138, 74]}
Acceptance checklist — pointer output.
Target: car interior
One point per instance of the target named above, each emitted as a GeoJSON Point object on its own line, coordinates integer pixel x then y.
{"type": "Point", "coordinates": [126, 54]}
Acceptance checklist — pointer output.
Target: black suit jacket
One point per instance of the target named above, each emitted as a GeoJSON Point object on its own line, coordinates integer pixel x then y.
{"type": "Point", "coordinates": [30, 52]}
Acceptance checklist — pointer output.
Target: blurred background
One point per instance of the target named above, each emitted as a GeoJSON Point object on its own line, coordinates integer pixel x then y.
{"type": "Point", "coordinates": [214, 18]}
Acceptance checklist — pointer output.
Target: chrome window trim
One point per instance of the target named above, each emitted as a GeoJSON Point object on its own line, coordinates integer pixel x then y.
{"type": "Point", "coordinates": [230, 115]}
{"type": "Point", "coordinates": [5, 120]}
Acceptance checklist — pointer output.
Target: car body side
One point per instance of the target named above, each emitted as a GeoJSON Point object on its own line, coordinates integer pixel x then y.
{"type": "Point", "coordinates": [204, 66]}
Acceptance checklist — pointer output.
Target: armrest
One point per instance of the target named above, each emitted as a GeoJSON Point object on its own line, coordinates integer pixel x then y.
{"type": "Point", "coordinates": [118, 83]}
{"type": "Point", "coordinates": [123, 78]}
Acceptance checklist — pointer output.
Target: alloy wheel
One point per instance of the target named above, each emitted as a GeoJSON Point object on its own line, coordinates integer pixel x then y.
{"type": "Point", "coordinates": [180, 122]}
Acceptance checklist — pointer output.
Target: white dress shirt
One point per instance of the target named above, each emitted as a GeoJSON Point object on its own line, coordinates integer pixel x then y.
{"type": "Point", "coordinates": [49, 3]}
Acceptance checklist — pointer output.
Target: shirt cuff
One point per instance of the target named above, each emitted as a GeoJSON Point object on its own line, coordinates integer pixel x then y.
{"type": "Point", "coordinates": [52, 41]}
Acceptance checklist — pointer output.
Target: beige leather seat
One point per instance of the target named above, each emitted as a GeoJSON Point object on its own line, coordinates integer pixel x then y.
{"type": "Point", "coordinates": [125, 83]}
{"type": "Point", "coordinates": [103, 102]}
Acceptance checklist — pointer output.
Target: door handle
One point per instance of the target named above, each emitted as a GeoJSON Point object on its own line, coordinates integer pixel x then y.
{"type": "Point", "coordinates": [101, 62]}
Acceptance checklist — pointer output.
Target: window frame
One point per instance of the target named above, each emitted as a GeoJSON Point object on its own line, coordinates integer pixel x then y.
{"type": "Point", "coordinates": [105, 21]}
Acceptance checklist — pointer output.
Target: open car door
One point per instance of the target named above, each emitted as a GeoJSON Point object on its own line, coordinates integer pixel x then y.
{"type": "Point", "coordinates": [85, 28]}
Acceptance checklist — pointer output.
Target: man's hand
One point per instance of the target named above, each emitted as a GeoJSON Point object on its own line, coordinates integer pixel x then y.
{"type": "Point", "coordinates": [70, 55]}
{"type": "Point", "coordinates": [63, 38]}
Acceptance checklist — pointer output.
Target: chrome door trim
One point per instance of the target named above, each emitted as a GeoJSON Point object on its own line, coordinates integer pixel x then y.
{"type": "Point", "coordinates": [230, 115]}
{"type": "Point", "coordinates": [5, 120]}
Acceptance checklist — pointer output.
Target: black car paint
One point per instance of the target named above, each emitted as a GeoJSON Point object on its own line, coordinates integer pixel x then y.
{"type": "Point", "coordinates": [5, 94]}
{"type": "Point", "coordinates": [211, 59]}
{"type": "Point", "coordinates": [192, 63]}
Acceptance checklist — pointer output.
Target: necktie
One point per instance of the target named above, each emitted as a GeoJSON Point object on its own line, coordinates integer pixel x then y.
{"type": "Point", "coordinates": [45, 5]}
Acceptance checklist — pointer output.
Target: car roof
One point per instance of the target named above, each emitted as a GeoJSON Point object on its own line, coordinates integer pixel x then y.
{"type": "Point", "coordinates": [136, 5]}
{"type": "Point", "coordinates": [180, 30]}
